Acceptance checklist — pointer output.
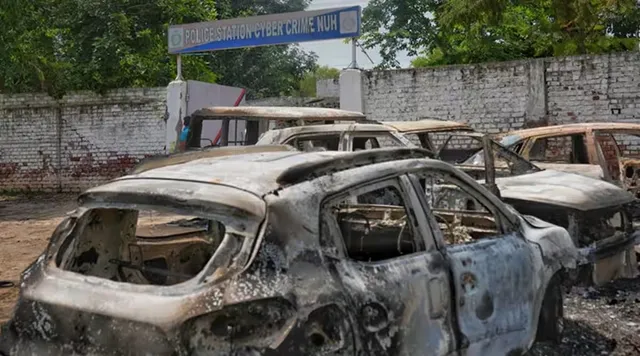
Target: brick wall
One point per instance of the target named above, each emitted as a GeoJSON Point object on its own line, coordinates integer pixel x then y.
{"type": "Point", "coordinates": [328, 88]}
{"type": "Point", "coordinates": [593, 88]}
{"type": "Point", "coordinates": [79, 141]}
{"type": "Point", "coordinates": [495, 97]}
{"type": "Point", "coordinates": [490, 97]}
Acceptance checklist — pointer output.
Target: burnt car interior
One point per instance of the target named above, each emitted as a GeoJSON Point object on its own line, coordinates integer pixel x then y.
{"type": "Point", "coordinates": [621, 157]}
{"type": "Point", "coordinates": [452, 153]}
{"type": "Point", "coordinates": [140, 247]}
{"type": "Point", "coordinates": [374, 225]}
{"type": "Point", "coordinates": [506, 163]}
{"type": "Point", "coordinates": [330, 142]}
{"type": "Point", "coordinates": [617, 161]}
{"type": "Point", "coordinates": [560, 149]}
{"type": "Point", "coordinates": [462, 218]}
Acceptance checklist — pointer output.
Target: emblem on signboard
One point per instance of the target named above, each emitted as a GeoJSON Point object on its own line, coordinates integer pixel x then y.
{"type": "Point", "coordinates": [175, 37]}
{"type": "Point", "coordinates": [349, 22]}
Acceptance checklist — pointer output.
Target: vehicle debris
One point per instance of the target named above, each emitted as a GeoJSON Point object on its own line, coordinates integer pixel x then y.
{"type": "Point", "coordinates": [291, 253]}
{"type": "Point", "coordinates": [597, 214]}
{"type": "Point", "coordinates": [595, 149]}
{"type": "Point", "coordinates": [569, 200]}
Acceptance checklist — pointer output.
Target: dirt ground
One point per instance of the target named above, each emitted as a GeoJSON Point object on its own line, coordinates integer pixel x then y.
{"type": "Point", "coordinates": [602, 321]}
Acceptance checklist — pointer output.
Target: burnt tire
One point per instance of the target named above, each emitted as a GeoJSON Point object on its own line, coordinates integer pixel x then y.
{"type": "Point", "coordinates": [551, 322]}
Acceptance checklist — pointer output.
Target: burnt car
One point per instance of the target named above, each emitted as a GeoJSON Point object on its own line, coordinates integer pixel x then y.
{"type": "Point", "coordinates": [242, 125]}
{"type": "Point", "coordinates": [431, 133]}
{"type": "Point", "coordinates": [335, 137]}
{"type": "Point", "coordinates": [292, 253]}
{"type": "Point", "coordinates": [427, 133]}
{"type": "Point", "coordinates": [597, 214]}
{"type": "Point", "coordinates": [603, 150]}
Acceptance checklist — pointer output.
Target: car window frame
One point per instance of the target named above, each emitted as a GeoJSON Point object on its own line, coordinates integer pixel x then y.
{"type": "Point", "coordinates": [288, 141]}
{"type": "Point", "coordinates": [504, 224]}
{"type": "Point", "coordinates": [423, 234]}
{"type": "Point", "coordinates": [348, 137]}
{"type": "Point", "coordinates": [587, 140]}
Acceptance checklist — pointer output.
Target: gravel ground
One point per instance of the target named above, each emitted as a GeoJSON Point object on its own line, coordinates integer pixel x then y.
{"type": "Point", "coordinates": [599, 321]}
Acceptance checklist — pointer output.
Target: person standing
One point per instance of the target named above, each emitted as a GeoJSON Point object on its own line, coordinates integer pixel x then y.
{"type": "Point", "coordinates": [183, 139]}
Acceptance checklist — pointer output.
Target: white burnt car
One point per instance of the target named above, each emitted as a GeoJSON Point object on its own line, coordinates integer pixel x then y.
{"type": "Point", "coordinates": [269, 251]}
{"type": "Point", "coordinates": [597, 214]}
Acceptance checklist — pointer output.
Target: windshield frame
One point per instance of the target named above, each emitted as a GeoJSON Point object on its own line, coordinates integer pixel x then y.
{"type": "Point", "coordinates": [497, 149]}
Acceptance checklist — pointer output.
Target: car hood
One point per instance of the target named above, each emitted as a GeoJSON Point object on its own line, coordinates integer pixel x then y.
{"type": "Point", "coordinates": [563, 189]}
{"type": "Point", "coordinates": [587, 170]}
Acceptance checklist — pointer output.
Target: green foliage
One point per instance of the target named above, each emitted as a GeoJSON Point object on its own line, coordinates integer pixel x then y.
{"type": "Point", "coordinates": [308, 82]}
{"type": "Point", "coordinates": [62, 45]}
{"type": "Point", "coordinates": [398, 25]}
{"type": "Point", "coordinates": [264, 71]}
{"type": "Point", "coordinates": [471, 31]}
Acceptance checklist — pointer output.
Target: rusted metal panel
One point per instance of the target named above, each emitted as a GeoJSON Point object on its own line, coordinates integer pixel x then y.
{"type": "Point", "coordinates": [561, 189]}
{"type": "Point", "coordinates": [588, 170]}
{"type": "Point", "coordinates": [279, 113]}
{"type": "Point", "coordinates": [178, 158]}
{"type": "Point", "coordinates": [426, 125]}
{"type": "Point", "coordinates": [570, 129]}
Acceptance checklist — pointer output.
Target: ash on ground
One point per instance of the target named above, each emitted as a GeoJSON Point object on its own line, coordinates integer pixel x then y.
{"type": "Point", "coordinates": [599, 321]}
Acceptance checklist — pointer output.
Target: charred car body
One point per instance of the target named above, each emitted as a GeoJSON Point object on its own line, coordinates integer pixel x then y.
{"type": "Point", "coordinates": [293, 253]}
{"type": "Point", "coordinates": [599, 150]}
{"type": "Point", "coordinates": [257, 120]}
{"type": "Point", "coordinates": [596, 213]}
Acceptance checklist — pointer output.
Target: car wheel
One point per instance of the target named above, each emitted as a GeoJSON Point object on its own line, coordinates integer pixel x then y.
{"type": "Point", "coordinates": [551, 323]}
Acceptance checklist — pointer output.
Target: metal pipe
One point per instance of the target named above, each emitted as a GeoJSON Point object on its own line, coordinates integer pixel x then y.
{"type": "Point", "coordinates": [224, 138]}
{"type": "Point", "coordinates": [354, 52]}
{"type": "Point", "coordinates": [179, 67]}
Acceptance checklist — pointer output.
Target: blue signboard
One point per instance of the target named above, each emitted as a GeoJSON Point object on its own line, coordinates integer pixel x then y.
{"type": "Point", "coordinates": [291, 27]}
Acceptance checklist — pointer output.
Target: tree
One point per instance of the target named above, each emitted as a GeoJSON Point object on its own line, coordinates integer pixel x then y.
{"type": "Point", "coordinates": [61, 45]}
{"type": "Point", "coordinates": [64, 45]}
{"type": "Point", "coordinates": [471, 31]}
{"type": "Point", "coordinates": [264, 71]}
{"type": "Point", "coordinates": [308, 82]}
{"type": "Point", "coordinates": [399, 25]}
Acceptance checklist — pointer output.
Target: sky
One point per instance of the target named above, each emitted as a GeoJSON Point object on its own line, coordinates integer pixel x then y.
{"type": "Point", "coordinates": [335, 53]}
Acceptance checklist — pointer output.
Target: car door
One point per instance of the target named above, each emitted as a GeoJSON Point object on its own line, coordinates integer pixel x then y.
{"type": "Point", "coordinates": [492, 265]}
{"type": "Point", "coordinates": [393, 276]}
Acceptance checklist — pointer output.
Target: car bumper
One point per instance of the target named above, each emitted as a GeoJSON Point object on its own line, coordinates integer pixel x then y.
{"type": "Point", "coordinates": [612, 258]}
{"type": "Point", "coordinates": [609, 247]}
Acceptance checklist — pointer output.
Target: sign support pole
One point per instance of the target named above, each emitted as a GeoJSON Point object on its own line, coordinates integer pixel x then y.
{"type": "Point", "coordinates": [179, 67]}
{"type": "Point", "coordinates": [354, 51]}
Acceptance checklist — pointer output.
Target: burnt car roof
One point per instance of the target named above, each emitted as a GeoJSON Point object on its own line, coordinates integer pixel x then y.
{"type": "Point", "coordinates": [278, 135]}
{"type": "Point", "coordinates": [426, 125]}
{"type": "Point", "coordinates": [570, 129]}
{"type": "Point", "coordinates": [279, 113]}
{"type": "Point", "coordinates": [210, 152]}
{"type": "Point", "coordinates": [262, 172]}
